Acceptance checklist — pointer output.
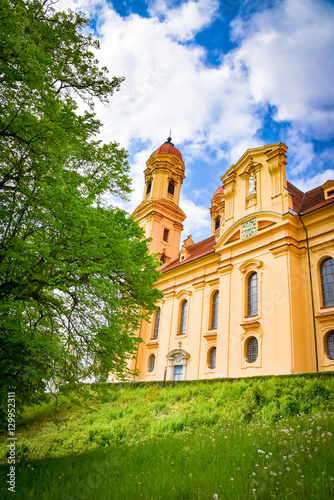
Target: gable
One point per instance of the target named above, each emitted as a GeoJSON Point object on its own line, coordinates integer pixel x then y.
{"type": "Point", "coordinates": [248, 227]}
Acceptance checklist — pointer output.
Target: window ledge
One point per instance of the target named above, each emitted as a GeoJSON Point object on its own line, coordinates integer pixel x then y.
{"type": "Point", "coordinates": [324, 317]}
{"type": "Point", "coordinates": [250, 365]}
{"type": "Point", "coordinates": [251, 322]}
{"type": "Point", "coordinates": [152, 342]}
{"type": "Point", "coordinates": [210, 334]}
{"type": "Point", "coordinates": [325, 314]}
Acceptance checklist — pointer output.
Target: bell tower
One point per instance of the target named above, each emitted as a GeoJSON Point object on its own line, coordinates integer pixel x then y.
{"type": "Point", "coordinates": [159, 213]}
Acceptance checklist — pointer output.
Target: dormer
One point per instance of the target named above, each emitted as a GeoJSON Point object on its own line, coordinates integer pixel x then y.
{"type": "Point", "coordinates": [184, 252]}
{"type": "Point", "coordinates": [328, 189]}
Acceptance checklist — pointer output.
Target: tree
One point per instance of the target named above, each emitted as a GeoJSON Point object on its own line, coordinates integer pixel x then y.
{"type": "Point", "coordinates": [76, 277]}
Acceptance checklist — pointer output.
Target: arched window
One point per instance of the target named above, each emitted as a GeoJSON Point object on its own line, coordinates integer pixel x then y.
{"type": "Point", "coordinates": [148, 189]}
{"type": "Point", "coordinates": [157, 323]}
{"type": "Point", "coordinates": [252, 295]}
{"type": "Point", "coordinates": [214, 311]}
{"type": "Point", "coordinates": [330, 345]}
{"type": "Point", "coordinates": [217, 224]}
{"type": "Point", "coordinates": [327, 282]}
{"type": "Point", "coordinates": [212, 358]}
{"type": "Point", "coordinates": [252, 349]}
{"type": "Point", "coordinates": [151, 363]}
{"type": "Point", "coordinates": [183, 317]}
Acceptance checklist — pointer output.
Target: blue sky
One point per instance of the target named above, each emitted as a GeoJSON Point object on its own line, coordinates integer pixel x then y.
{"type": "Point", "coordinates": [225, 76]}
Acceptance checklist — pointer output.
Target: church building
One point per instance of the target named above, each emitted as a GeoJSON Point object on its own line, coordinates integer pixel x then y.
{"type": "Point", "coordinates": [256, 297]}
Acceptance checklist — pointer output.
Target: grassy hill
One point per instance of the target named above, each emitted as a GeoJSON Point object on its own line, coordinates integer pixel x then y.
{"type": "Point", "coordinates": [181, 440]}
{"type": "Point", "coordinates": [127, 414]}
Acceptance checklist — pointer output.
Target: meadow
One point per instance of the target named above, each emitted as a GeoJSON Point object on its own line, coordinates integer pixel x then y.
{"type": "Point", "coordinates": [260, 438]}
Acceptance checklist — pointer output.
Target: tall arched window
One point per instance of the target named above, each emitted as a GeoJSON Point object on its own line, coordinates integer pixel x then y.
{"type": "Point", "coordinates": [183, 317]}
{"type": "Point", "coordinates": [252, 295]}
{"type": "Point", "coordinates": [212, 358]}
{"type": "Point", "coordinates": [156, 323]}
{"type": "Point", "coordinates": [151, 363]}
{"type": "Point", "coordinates": [327, 281]}
{"type": "Point", "coordinates": [214, 311]}
{"type": "Point", "coordinates": [252, 350]}
{"type": "Point", "coordinates": [330, 345]}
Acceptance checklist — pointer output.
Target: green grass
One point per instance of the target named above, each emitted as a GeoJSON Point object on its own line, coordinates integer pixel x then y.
{"type": "Point", "coordinates": [288, 460]}
{"type": "Point", "coordinates": [130, 414]}
{"type": "Point", "coordinates": [180, 440]}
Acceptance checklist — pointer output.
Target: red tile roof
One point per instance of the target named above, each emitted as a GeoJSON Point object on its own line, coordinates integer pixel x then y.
{"type": "Point", "coordinates": [307, 202]}
{"type": "Point", "coordinates": [196, 250]}
{"type": "Point", "coordinates": [302, 203]}
{"type": "Point", "coordinates": [297, 196]}
{"type": "Point", "coordinates": [314, 199]}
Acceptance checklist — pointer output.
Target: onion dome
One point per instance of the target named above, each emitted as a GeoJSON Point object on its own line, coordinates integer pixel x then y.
{"type": "Point", "coordinates": [218, 191]}
{"type": "Point", "coordinates": [168, 147]}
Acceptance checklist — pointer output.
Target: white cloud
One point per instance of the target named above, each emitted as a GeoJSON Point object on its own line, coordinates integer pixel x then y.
{"type": "Point", "coordinates": [168, 84]}
{"type": "Point", "coordinates": [317, 180]}
{"type": "Point", "coordinates": [284, 58]}
{"type": "Point", "coordinates": [198, 220]}
{"type": "Point", "coordinates": [187, 19]}
{"type": "Point", "coordinates": [288, 52]}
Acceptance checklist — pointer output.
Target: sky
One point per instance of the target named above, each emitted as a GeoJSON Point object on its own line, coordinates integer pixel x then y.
{"type": "Point", "coordinates": [224, 76]}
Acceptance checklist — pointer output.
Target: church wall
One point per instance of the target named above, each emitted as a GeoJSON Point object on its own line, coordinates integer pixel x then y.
{"type": "Point", "coordinates": [259, 234]}
{"type": "Point", "coordinates": [270, 326]}
{"type": "Point", "coordinates": [320, 227]}
{"type": "Point", "coordinates": [284, 323]}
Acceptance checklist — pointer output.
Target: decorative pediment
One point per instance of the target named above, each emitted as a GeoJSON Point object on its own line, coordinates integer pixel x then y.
{"type": "Point", "coordinates": [250, 264]}
{"type": "Point", "coordinates": [178, 353]}
{"type": "Point", "coordinates": [255, 181]}
{"type": "Point", "coordinates": [252, 166]}
{"type": "Point", "coordinates": [250, 159]}
{"type": "Point", "coordinates": [184, 293]}
{"type": "Point", "coordinates": [251, 331]}
{"type": "Point", "coordinates": [257, 220]}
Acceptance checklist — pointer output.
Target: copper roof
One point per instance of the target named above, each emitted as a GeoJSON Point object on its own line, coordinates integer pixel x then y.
{"type": "Point", "coordinates": [168, 147]}
{"type": "Point", "coordinates": [196, 250]}
{"type": "Point", "coordinates": [307, 202]}
{"type": "Point", "coordinates": [220, 190]}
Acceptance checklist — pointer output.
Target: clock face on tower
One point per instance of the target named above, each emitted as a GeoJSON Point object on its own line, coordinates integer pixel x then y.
{"type": "Point", "coordinates": [248, 228]}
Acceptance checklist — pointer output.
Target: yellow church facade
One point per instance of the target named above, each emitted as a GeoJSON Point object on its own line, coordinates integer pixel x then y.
{"type": "Point", "coordinates": [254, 298]}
